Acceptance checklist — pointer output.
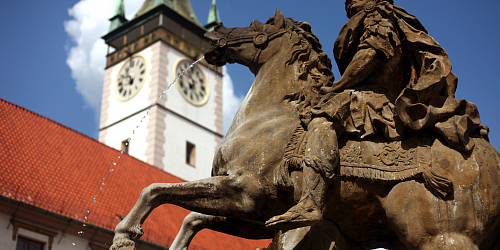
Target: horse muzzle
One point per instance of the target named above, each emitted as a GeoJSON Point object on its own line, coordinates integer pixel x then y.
{"type": "Point", "coordinates": [217, 54]}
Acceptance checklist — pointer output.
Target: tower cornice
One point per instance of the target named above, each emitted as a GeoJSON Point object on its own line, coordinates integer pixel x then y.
{"type": "Point", "coordinates": [152, 13]}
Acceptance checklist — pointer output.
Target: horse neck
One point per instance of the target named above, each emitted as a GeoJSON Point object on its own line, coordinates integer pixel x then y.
{"type": "Point", "coordinates": [276, 75]}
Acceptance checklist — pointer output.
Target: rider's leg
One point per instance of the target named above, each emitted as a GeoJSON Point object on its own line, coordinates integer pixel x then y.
{"type": "Point", "coordinates": [220, 196]}
{"type": "Point", "coordinates": [320, 159]}
{"type": "Point", "coordinates": [195, 222]}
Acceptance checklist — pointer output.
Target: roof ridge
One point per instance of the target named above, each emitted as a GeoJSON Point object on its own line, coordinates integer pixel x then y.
{"type": "Point", "coordinates": [84, 135]}
{"type": "Point", "coordinates": [46, 118]}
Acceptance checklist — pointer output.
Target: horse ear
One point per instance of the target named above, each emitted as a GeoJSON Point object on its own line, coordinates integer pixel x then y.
{"type": "Point", "coordinates": [257, 26]}
{"type": "Point", "coordinates": [279, 20]}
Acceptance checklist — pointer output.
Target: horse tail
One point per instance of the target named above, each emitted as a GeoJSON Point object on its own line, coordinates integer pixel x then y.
{"type": "Point", "coordinates": [292, 159]}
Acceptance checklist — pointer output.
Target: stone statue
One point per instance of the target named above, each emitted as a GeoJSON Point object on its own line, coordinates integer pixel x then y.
{"type": "Point", "coordinates": [395, 77]}
{"type": "Point", "coordinates": [384, 157]}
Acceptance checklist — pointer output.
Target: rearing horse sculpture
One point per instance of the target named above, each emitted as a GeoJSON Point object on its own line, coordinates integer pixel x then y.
{"type": "Point", "coordinates": [244, 191]}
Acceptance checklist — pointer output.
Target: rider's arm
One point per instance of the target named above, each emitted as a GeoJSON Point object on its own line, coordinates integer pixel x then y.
{"type": "Point", "coordinates": [361, 66]}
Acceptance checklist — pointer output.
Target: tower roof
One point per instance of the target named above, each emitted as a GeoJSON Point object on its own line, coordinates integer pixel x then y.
{"type": "Point", "coordinates": [213, 17]}
{"type": "Point", "coordinates": [183, 7]}
{"type": "Point", "coordinates": [119, 17]}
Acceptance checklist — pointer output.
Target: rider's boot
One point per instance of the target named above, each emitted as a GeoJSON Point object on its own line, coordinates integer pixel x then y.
{"type": "Point", "coordinates": [319, 161]}
{"type": "Point", "coordinates": [309, 210]}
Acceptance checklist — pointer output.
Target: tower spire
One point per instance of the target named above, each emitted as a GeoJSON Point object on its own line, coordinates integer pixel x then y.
{"type": "Point", "coordinates": [119, 17]}
{"type": "Point", "coordinates": [213, 17]}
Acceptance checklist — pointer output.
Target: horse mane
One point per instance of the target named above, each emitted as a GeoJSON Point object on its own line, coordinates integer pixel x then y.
{"type": "Point", "coordinates": [313, 62]}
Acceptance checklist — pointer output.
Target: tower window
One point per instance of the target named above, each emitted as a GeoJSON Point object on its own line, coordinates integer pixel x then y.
{"type": "Point", "coordinates": [191, 154]}
{"type": "Point", "coordinates": [125, 146]}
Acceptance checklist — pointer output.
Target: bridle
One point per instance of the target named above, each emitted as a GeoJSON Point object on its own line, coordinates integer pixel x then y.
{"type": "Point", "coordinates": [260, 40]}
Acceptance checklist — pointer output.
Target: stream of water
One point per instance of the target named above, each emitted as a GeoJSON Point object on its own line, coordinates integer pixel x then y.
{"type": "Point", "coordinates": [87, 210]}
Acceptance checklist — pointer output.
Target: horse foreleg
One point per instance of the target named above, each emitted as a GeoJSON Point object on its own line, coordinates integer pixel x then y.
{"type": "Point", "coordinates": [195, 222]}
{"type": "Point", "coordinates": [192, 224]}
{"type": "Point", "coordinates": [220, 196]}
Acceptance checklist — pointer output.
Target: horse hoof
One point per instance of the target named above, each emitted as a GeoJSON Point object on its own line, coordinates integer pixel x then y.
{"type": "Point", "coordinates": [122, 244]}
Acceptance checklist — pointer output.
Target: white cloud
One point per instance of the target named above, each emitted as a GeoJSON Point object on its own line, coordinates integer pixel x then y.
{"type": "Point", "coordinates": [231, 102]}
{"type": "Point", "coordinates": [86, 53]}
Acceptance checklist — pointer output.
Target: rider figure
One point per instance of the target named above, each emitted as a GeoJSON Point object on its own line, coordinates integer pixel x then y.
{"type": "Point", "coordinates": [321, 154]}
{"type": "Point", "coordinates": [395, 78]}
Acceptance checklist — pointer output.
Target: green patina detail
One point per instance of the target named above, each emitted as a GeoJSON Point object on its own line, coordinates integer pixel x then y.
{"type": "Point", "coordinates": [213, 17]}
{"type": "Point", "coordinates": [119, 17]}
{"type": "Point", "coordinates": [120, 8]}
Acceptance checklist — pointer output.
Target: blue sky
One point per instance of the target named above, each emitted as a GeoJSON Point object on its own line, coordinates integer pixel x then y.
{"type": "Point", "coordinates": [36, 45]}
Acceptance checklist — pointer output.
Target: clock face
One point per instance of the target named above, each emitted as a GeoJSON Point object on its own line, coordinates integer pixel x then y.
{"type": "Point", "coordinates": [192, 85]}
{"type": "Point", "coordinates": [131, 77]}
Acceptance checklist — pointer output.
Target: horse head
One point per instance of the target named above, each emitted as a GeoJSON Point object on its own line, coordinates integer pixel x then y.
{"type": "Point", "coordinates": [250, 46]}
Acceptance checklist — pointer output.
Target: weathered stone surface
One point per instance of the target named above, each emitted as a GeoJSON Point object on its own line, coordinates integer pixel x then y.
{"type": "Point", "coordinates": [384, 157]}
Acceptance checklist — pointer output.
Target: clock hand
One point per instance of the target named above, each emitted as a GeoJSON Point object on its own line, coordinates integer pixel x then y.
{"type": "Point", "coordinates": [131, 78]}
{"type": "Point", "coordinates": [191, 83]}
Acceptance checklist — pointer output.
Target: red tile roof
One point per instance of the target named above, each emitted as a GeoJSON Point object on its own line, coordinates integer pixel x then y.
{"type": "Point", "coordinates": [50, 166]}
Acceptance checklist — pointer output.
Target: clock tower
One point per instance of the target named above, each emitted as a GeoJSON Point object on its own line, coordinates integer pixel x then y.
{"type": "Point", "coordinates": [176, 130]}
